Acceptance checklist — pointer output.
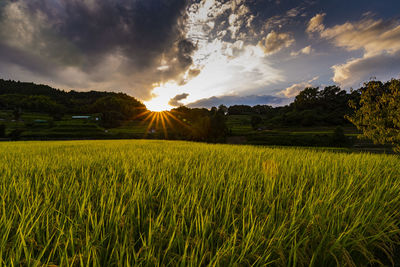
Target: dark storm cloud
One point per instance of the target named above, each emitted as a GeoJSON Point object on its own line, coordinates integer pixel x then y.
{"type": "Point", "coordinates": [138, 34]}
{"type": "Point", "coordinates": [175, 102]}
{"type": "Point", "coordinates": [181, 56]}
{"type": "Point", "coordinates": [11, 55]}
{"type": "Point", "coordinates": [137, 45]}
{"type": "Point", "coordinates": [250, 100]}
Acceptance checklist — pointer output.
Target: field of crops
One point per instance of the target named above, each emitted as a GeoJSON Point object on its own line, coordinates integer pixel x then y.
{"type": "Point", "coordinates": [125, 203]}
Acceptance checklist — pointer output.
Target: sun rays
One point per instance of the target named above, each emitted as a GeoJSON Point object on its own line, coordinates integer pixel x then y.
{"type": "Point", "coordinates": [162, 120]}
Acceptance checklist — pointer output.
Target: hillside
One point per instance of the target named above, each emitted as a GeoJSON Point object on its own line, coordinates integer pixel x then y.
{"type": "Point", "coordinates": [42, 98]}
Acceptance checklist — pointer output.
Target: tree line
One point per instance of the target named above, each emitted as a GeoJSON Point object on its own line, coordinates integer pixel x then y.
{"type": "Point", "coordinates": [311, 107]}
{"type": "Point", "coordinates": [373, 108]}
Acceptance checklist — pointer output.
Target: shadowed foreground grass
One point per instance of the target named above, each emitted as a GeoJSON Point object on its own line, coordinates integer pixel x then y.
{"type": "Point", "coordinates": [109, 203]}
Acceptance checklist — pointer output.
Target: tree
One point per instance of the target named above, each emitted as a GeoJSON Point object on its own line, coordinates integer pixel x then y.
{"type": "Point", "coordinates": [199, 124]}
{"type": "Point", "coordinates": [213, 110]}
{"type": "Point", "coordinates": [263, 109]}
{"type": "Point", "coordinates": [222, 109]}
{"type": "Point", "coordinates": [377, 114]}
{"type": "Point", "coordinates": [240, 110]}
{"type": "Point", "coordinates": [218, 128]}
{"type": "Point", "coordinates": [309, 98]}
{"type": "Point", "coordinates": [255, 121]}
{"type": "Point", "coordinates": [117, 109]}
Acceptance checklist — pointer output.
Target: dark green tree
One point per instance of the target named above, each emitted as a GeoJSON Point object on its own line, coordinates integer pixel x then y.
{"type": "Point", "coordinates": [222, 109]}
{"type": "Point", "coordinates": [377, 114]}
{"type": "Point", "coordinates": [218, 129]}
{"type": "Point", "coordinates": [309, 98]}
{"type": "Point", "coordinates": [255, 121]}
{"type": "Point", "coordinates": [117, 109]}
{"type": "Point", "coordinates": [240, 110]}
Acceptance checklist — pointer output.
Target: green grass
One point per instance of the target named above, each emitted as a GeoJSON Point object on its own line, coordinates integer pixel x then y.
{"type": "Point", "coordinates": [136, 129]}
{"type": "Point", "coordinates": [130, 203]}
{"type": "Point", "coordinates": [240, 125]}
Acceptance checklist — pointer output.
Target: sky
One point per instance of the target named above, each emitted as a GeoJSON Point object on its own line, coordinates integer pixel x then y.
{"type": "Point", "coordinates": [200, 53]}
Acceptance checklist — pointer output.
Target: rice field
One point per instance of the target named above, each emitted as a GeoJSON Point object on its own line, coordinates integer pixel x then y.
{"type": "Point", "coordinates": [151, 203]}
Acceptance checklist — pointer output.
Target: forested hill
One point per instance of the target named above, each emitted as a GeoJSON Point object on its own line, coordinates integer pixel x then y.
{"type": "Point", "coordinates": [311, 107]}
{"type": "Point", "coordinates": [43, 98]}
{"type": "Point", "coordinates": [25, 88]}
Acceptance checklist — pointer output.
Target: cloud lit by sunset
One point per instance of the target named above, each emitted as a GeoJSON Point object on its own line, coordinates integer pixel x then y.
{"type": "Point", "coordinates": [208, 50]}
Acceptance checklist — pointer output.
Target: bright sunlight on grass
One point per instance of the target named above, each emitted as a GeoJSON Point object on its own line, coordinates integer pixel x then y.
{"type": "Point", "coordinates": [114, 203]}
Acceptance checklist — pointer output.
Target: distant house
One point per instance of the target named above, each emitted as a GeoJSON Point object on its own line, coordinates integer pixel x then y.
{"type": "Point", "coordinates": [81, 117]}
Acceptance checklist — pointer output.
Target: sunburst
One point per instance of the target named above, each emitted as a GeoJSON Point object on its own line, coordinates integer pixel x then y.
{"type": "Point", "coordinates": [160, 120]}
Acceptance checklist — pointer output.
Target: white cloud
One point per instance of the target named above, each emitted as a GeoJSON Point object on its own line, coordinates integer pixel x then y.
{"type": "Point", "coordinates": [230, 100]}
{"type": "Point", "coordinates": [306, 51]}
{"type": "Point", "coordinates": [315, 24]}
{"type": "Point", "coordinates": [288, 18]}
{"type": "Point", "coordinates": [207, 11]}
{"type": "Point", "coordinates": [275, 42]}
{"type": "Point", "coordinates": [295, 89]}
{"type": "Point", "coordinates": [378, 39]}
{"type": "Point", "coordinates": [293, 12]}
{"type": "Point", "coordinates": [372, 36]}
{"type": "Point", "coordinates": [226, 67]}
{"type": "Point", "coordinates": [355, 71]}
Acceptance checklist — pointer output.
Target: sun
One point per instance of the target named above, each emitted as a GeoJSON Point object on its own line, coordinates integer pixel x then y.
{"type": "Point", "coordinates": [158, 104]}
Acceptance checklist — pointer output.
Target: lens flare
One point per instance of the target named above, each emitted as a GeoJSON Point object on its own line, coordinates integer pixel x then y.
{"type": "Point", "coordinates": [161, 120]}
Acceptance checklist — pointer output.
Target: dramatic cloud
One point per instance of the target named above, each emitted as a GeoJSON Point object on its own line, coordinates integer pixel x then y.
{"type": "Point", "coordinates": [175, 102]}
{"type": "Point", "coordinates": [316, 24]}
{"type": "Point", "coordinates": [274, 42]}
{"type": "Point", "coordinates": [356, 71]}
{"type": "Point", "coordinates": [157, 49]}
{"type": "Point", "coordinates": [372, 36]}
{"type": "Point", "coordinates": [291, 17]}
{"type": "Point", "coordinates": [378, 39]}
{"type": "Point", "coordinates": [250, 100]}
{"type": "Point", "coordinates": [105, 44]}
{"type": "Point", "coordinates": [226, 60]}
{"type": "Point", "coordinates": [295, 89]}
{"type": "Point", "coordinates": [306, 51]}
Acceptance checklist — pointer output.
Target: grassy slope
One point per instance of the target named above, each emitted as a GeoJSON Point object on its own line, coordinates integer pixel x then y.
{"type": "Point", "coordinates": [239, 126]}
{"type": "Point", "coordinates": [68, 128]}
{"type": "Point", "coordinates": [159, 202]}
{"type": "Point", "coordinates": [317, 136]}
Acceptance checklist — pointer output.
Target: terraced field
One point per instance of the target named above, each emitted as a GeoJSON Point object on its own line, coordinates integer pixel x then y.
{"type": "Point", "coordinates": [113, 203]}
